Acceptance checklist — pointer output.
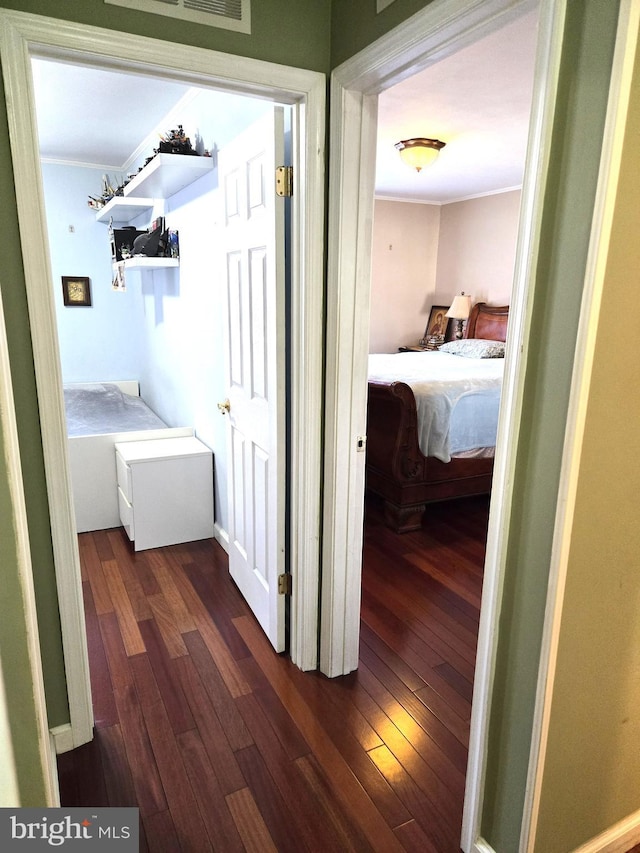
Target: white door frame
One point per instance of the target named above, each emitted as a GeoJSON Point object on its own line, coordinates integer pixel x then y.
{"type": "Point", "coordinates": [439, 30]}
{"type": "Point", "coordinates": [626, 832]}
{"type": "Point", "coordinates": [23, 35]}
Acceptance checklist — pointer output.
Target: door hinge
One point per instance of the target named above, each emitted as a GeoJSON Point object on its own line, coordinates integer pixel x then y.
{"type": "Point", "coordinates": [284, 181]}
{"type": "Point", "coordinates": [284, 584]}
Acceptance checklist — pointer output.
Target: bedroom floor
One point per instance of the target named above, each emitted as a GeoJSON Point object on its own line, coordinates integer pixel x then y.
{"type": "Point", "coordinates": [225, 746]}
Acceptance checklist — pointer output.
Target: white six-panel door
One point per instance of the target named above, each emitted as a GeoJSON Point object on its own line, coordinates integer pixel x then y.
{"type": "Point", "coordinates": [255, 347]}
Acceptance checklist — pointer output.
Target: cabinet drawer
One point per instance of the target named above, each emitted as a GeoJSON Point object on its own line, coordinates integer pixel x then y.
{"type": "Point", "coordinates": [126, 514]}
{"type": "Point", "coordinates": [165, 490]}
{"type": "Point", "coordinates": [124, 477]}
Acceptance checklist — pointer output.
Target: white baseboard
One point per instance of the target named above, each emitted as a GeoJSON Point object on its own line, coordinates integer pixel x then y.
{"type": "Point", "coordinates": [62, 737]}
{"type": "Point", "coordinates": [619, 838]}
{"type": "Point", "coordinates": [481, 846]}
{"type": "Point", "coordinates": [221, 536]}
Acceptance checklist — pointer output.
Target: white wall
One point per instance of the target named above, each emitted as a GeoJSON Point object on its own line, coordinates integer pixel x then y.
{"type": "Point", "coordinates": [476, 249]}
{"type": "Point", "coordinates": [182, 375]}
{"type": "Point", "coordinates": [403, 281]}
{"type": "Point", "coordinates": [102, 341]}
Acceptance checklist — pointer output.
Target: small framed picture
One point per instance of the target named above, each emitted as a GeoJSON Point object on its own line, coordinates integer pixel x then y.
{"type": "Point", "coordinates": [76, 290]}
{"type": "Point", "coordinates": [439, 327]}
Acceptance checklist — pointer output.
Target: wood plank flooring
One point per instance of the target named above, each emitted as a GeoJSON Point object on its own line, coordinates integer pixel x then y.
{"type": "Point", "coordinates": [225, 746]}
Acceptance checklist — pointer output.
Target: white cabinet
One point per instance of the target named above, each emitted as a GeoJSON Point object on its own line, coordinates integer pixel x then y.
{"type": "Point", "coordinates": [165, 491]}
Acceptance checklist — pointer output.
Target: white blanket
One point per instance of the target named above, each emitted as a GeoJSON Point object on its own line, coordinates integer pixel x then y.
{"type": "Point", "coordinates": [457, 398]}
{"type": "Point", "coordinates": [96, 409]}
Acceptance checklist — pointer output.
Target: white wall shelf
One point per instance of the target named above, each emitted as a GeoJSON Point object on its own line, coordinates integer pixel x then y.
{"type": "Point", "coordinates": [124, 210]}
{"type": "Point", "coordinates": [144, 263]}
{"type": "Point", "coordinates": [167, 174]}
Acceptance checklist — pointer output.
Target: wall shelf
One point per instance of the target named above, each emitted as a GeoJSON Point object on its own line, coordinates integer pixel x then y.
{"type": "Point", "coordinates": [124, 210]}
{"type": "Point", "coordinates": [144, 263]}
{"type": "Point", "coordinates": [167, 174]}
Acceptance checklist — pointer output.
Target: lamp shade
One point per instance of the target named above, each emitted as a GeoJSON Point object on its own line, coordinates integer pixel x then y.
{"type": "Point", "coordinates": [419, 152]}
{"type": "Point", "coordinates": [460, 307]}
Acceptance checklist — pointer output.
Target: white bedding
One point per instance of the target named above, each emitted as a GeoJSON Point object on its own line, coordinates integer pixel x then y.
{"type": "Point", "coordinates": [96, 409]}
{"type": "Point", "coordinates": [457, 398]}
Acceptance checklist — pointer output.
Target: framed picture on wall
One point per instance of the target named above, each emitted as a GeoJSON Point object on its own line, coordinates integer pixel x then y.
{"type": "Point", "coordinates": [439, 326]}
{"type": "Point", "coordinates": [76, 290]}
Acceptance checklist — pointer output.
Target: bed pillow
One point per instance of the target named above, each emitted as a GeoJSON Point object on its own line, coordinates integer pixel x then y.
{"type": "Point", "coordinates": [475, 348]}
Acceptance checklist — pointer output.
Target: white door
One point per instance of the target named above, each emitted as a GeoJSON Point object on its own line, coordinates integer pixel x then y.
{"type": "Point", "coordinates": [255, 292]}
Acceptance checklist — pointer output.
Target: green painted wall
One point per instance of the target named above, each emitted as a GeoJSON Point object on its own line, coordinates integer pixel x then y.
{"type": "Point", "coordinates": [281, 31]}
{"type": "Point", "coordinates": [15, 656]}
{"type": "Point", "coordinates": [591, 777]}
{"type": "Point", "coordinates": [589, 40]}
{"type": "Point", "coordinates": [19, 341]}
{"type": "Point", "coordinates": [355, 24]}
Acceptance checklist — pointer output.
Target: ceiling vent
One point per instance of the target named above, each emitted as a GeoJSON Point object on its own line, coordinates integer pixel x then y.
{"type": "Point", "coordinates": [228, 14]}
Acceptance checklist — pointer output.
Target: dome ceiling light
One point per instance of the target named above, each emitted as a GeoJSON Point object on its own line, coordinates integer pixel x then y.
{"type": "Point", "coordinates": [419, 152]}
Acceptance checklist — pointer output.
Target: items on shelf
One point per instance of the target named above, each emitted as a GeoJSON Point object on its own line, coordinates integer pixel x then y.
{"type": "Point", "coordinates": [108, 192]}
{"type": "Point", "coordinates": [156, 242]}
{"type": "Point", "coordinates": [122, 240]}
{"type": "Point", "coordinates": [174, 141]}
{"type": "Point", "coordinates": [173, 246]}
{"type": "Point", "coordinates": [148, 244]}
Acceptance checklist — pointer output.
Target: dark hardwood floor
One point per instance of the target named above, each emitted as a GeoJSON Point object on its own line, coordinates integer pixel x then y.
{"type": "Point", "coordinates": [224, 745]}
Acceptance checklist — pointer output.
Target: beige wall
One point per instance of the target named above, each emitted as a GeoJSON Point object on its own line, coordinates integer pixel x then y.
{"type": "Point", "coordinates": [592, 776]}
{"type": "Point", "coordinates": [403, 280]}
{"type": "Point", "coordinates": [476, 250]}
{"type": "Point", "coordinates": [424, 254]}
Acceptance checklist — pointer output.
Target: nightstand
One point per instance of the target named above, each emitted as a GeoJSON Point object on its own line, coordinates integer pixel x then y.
{"type": "Point", "coordinates": [165, 491]}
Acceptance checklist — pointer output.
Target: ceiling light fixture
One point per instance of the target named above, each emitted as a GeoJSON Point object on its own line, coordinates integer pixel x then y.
{"type": "Point", "coordinates": [419, 152]}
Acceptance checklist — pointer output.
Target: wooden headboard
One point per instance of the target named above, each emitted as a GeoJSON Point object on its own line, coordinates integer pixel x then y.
{"type": "Point", "coordinates": [488, 322]}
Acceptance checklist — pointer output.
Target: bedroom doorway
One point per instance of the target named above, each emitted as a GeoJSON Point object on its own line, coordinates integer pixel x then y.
{"type": "Point", "coordinates": [196, 357]}
{"type": "Point", "coordinates": [437, 31]}
{"type": "Point", "coordinates": [401, 55]}
{"type": "Point", "coordinates": [170, 331]}
{"type": "Point", "coordinates": [303, 91]}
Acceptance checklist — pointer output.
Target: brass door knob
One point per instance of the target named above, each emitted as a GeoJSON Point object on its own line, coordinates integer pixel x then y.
{"type": "Point", "coordinates": [225, 407]}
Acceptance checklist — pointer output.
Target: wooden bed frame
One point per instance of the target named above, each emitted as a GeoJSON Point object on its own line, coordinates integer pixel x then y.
{"type": "Point", "coordinates": [396, 469]}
